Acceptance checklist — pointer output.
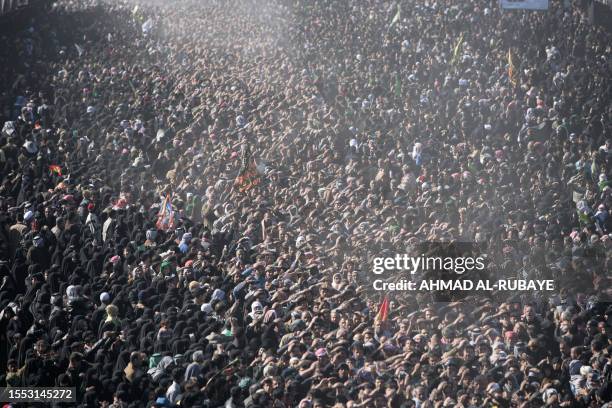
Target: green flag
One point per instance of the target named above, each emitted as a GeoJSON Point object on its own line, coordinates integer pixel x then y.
{"type": "Point", "coordinates": [398, 86]}
{"type": "Point", "coordinates": [457, 50]}
{"type": "Point", "coordinates": [397, 16]}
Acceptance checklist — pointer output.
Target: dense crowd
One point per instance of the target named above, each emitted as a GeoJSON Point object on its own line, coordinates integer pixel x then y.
{"type": "Point", "coordinates": [136, 268]}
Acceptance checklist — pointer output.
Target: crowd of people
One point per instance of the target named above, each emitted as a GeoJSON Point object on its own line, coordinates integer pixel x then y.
{"type": "Point", "coordinates": [192, 193]}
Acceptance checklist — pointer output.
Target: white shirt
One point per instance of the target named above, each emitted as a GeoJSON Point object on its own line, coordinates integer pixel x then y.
{"type": "Point", "coordinates": [173, 392]}
{"type": "Point", "coordinates": [105, 228]}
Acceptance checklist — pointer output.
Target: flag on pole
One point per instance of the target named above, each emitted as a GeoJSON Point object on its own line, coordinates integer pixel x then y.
{"type": "Point", "coordinates": [383, 310]}
{"type": "Point", "coordinates": [398, 86]}
{"type": "Point", "coordinates": [147, 26]}
{"type": "Point", "coordinates": [165, 217]}
{"type": "Point", "coordinates": [55, 168]}
{"type": "Point", "coordinates": [248, 177]}
{"type": "Point", "coordinates": [512, 72]}
{"type": "Point", "coordinates": [79, 49]}
{"type": "Point", "coordinates": [136, 14]}
{"type": "Point", "coordinates": [397, 17]}
{"type": "Point", "coordinates": [134, 91]}
{"type": "Point", "coordinates": [457, 50]}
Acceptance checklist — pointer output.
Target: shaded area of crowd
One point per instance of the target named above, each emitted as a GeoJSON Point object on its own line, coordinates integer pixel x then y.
{"type": "Point", "coordinates": [375, 126]}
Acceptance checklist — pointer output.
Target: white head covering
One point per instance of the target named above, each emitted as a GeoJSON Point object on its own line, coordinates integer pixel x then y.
{"type": "Point", "coordinates": [417, 149]}
{"type": "Point", "coordinates": [256, 309]}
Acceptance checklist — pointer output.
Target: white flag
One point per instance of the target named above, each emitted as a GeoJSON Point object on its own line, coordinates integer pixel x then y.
{"type": "Point", "coordinates": [147, 25]}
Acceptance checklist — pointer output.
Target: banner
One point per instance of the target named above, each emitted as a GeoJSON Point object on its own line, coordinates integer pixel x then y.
{"type": "Point", "coordinates": [524, 4]}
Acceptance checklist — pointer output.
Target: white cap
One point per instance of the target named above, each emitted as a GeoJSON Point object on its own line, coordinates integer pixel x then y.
{"type": "Point", "coordinates": [104, 297]}
{"type": "Point", "coordinates": [493, 387]}
{"type": "Point", "coordinates": [30, 147]}
{"type": "Point", "coordinates": [71, 292]}
{"type": "Point", "coordinates": [549, 392]}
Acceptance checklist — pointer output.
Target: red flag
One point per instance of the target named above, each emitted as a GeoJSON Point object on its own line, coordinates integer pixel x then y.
{"type": "Point", "coordinates": [248, 177]}
{"type": "Point", "coordinates": [383, 310]}
{"type": "Point", "coordinates": [57, 169]}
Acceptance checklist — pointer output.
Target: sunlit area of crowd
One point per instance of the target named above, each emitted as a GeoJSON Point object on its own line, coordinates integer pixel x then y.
{"type": "Point", "coordinates": [192, 194]}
